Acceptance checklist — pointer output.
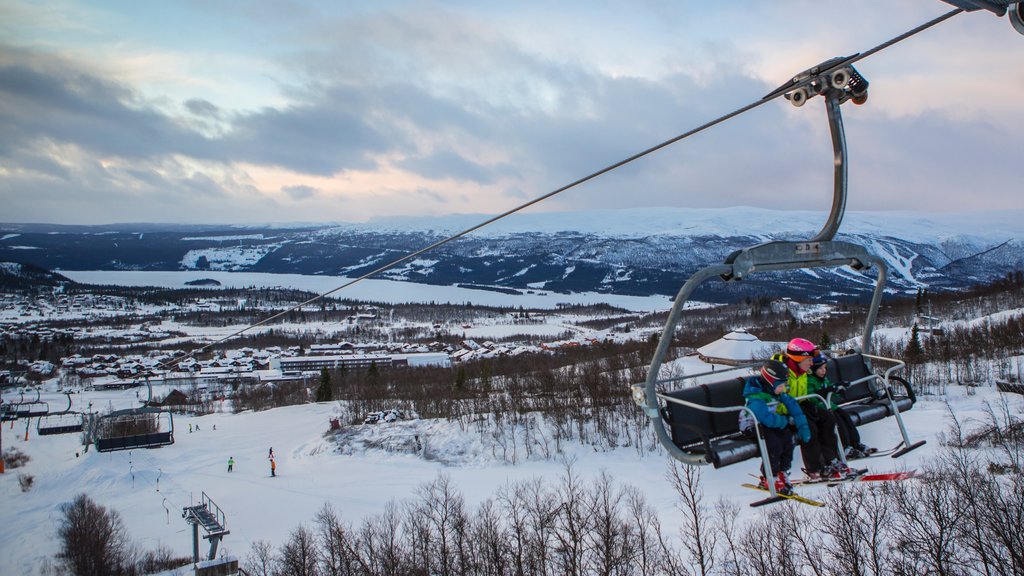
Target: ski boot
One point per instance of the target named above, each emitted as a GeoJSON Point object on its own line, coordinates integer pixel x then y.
{"type": "Point", "coordinates": [782, 485]}
{"type": "Point", "coordinates": [837, 470]}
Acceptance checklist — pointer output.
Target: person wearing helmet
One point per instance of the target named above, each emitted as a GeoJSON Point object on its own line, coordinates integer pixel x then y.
{"type": "Point", "coordinates": [765, 394]}
{"type": "Point", "coordinates": [820, 453]}
{"type": "Point", "coordinates": [798, 355]}
{"type": "Point", "coordinates": [819, 383]}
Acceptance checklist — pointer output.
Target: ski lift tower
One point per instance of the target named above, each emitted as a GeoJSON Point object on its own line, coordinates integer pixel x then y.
{"type": "Point", "coordinates": [214, 523]}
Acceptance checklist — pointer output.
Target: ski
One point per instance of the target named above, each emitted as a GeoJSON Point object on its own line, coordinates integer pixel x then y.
{"type": "Point", "coordinates": [854, 474]}
{"type": "Point", "coordinates": [881, 477]}
{"type": "Point", "coordinates": [876, 453]}
{"type": "Point", "coordinates": [780, 497]}
{"type": "Point", "coordinates": [768, 500]}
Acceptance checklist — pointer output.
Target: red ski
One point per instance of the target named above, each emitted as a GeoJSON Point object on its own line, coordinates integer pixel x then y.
{"type": "Point", "coordinates": [881, 477]}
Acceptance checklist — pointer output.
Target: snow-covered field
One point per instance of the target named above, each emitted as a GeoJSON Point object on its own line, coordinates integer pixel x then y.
{"type": "Point", "coordinates": [149, 488]}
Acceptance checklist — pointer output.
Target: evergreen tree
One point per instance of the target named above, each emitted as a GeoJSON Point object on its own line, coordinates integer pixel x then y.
{"type": "Point", "coordinates": [323, 391]}
{"type": "Point", "coordinates": [485, 375]}
{"type": "Point", "coordinates": [460, 377]}
{"type": "Point", "coordinates": [914, 352]}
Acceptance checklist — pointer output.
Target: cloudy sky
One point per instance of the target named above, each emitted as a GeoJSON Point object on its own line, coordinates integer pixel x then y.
{"type": "Point", "coordinates": [284, 111]}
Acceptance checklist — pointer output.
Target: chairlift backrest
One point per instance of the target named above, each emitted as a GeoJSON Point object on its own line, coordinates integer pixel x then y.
{"type": "Point", "coordinates": [853, 371]}
{"type": "Point", "coordinates": [691, 425]}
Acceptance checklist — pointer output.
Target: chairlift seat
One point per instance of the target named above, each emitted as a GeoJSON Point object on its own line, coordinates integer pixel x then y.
{"type": "Point", "coordinates": [67, 423]}
{"type": "Point", "coordinates": [127, 430]}
{"type": "Point", "coordinates": [864, 398]}
{"type": "Point", "coordinates": [1009, 387]}
{"type": "Point", "coordinates": [153, 440]}
{"type": "Point", "coordinates": [31, 409]}
{"type": "Point", "coordinates": [714, 435]}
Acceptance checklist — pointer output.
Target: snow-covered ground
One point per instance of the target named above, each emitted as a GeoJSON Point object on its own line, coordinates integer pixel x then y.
{"type": "Point", "coordinates": [149, 488]}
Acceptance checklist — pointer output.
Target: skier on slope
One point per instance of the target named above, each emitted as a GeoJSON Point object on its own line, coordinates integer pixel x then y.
{"type": "Point", "coordinates": [768, 387]}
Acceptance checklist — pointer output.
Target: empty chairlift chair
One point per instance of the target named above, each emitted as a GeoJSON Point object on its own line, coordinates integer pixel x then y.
{"type": "Point", "coordinates": [63, 422]}
{"type": "Point", "coordinates": [31, 409]}
{"type": "Point", "coordinates": [869, 396]}
{"type": "Point", "coordinates": [146, 427]}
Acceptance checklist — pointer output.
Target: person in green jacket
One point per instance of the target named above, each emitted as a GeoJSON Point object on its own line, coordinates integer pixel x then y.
{"type": "Point", "coordinates": [818, 382]}
{"type": "Point", "coordinates": [231, 463]}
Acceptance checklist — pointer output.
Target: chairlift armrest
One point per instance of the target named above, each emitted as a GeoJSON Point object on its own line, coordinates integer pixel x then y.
{"type": "Point", "coordinates": [809, 396]}
{"type": "Point", "coordinates": [906, 387]}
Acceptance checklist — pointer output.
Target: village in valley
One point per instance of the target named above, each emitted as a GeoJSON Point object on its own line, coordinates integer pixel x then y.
{"type": "Point", "coordinates": [99, 341]}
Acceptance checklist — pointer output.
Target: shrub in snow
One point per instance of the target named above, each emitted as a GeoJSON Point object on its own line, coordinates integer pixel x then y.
{"type": "Point", "coordinates": [385, 416]}
{"type": "Point", "coordinates": [14, 458]}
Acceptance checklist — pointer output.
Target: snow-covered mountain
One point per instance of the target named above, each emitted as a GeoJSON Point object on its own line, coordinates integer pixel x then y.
{"type": "Point", "coordinates": [637, 251]}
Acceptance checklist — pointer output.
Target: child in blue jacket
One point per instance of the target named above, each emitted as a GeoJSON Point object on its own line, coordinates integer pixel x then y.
{"type": "Point", "coordinates": [761, 391]}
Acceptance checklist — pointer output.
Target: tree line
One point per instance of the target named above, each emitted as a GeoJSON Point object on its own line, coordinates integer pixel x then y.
{"type": "Point", "coordinates": [960, 517]}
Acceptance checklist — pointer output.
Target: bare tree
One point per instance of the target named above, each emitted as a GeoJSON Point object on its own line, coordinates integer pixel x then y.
{"type": "Point", "coordinates": [610, 540]}
{"type": "Point", "coordinates": [926, 534]}
{"type": "Point", "coordinates": [572, 523]}
{"type": "Point", "coordinates": [261, 560]}
{"type": "Point", "coordinates": [335, 537]}
{"type": "Point", "coordinates": [697, 535]}
{"type": "Point", "coordinates": [382, 548]}
{"type": "Point", "coordinates": [489, 541]}
{"type": "Point", "coordinates": [299, 554]}
{"type": "Point", "coordinates": [444, 526]}
{"type": "Point", "coordinates": [93, 540]}
{"type": "Point", "coordinates": [647, 530]}
{"type": "Point", "coordinates": [726, 518]}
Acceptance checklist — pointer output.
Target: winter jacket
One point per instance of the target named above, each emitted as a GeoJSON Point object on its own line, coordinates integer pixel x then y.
{"type": "Point", "coordinates": [821, 387]}
{"type": "Point", "coordinates": [797, 382]}
{"type": "Point", "coordinates": [759, 394]}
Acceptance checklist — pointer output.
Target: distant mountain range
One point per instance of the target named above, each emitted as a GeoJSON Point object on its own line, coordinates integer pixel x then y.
{"type": "Point", "coordinates": [637, 251]}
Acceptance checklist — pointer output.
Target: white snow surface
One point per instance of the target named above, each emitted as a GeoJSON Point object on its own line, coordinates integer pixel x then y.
{"type": "Point", "coordinates": [149, 488]}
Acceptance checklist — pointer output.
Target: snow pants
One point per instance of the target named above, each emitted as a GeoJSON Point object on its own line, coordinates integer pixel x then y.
{"type": "Point", "coordinates": [779, 442]}
{"type": "Point", "coordinates": [847, 429]}
{"type": "Point", "coordinates": [822, 448]}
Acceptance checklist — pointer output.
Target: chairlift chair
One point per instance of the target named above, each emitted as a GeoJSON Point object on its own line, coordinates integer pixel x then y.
{"type": "Point", "coordinates": [145, 427]}
{"type": "Point", "coordinates": [707, 415]}
{"type": "Point", "coordinates": [31, 409]}
{"type": "Point", "coordinates": [63, 422]}
{"type": "Point", "coordinates": [7, 412]}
